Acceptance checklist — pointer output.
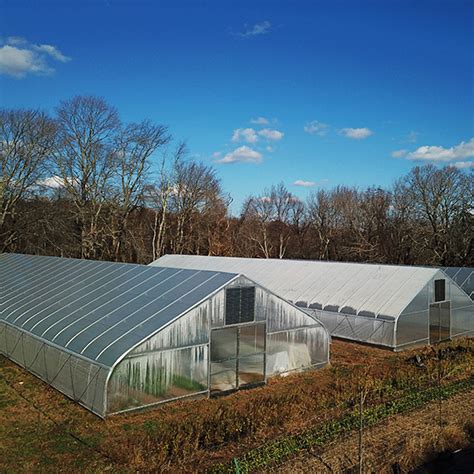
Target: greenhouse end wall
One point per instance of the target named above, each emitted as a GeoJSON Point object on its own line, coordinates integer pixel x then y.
{"type": "Point", "coordinates": [413, 325]}
{"type": "Point", "coordinates": [462, 312]}
{"type": "Point", "coordinates": [169, 365]}
{"type": "Point", "coordinates": [411, 328]}
{"type": "Point", "coordinates": [176, 362]}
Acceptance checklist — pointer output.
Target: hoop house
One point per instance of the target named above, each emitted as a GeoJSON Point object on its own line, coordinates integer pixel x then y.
{"type": "Point", "coordinates": [118, 337]}
{"type": "Point", "coordinates": [387, 305]}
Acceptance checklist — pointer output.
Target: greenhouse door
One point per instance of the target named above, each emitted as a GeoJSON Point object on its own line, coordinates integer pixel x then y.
{"type": "Point", "coordinates": [440, 322]}
{"type": "Point", "coordinates": [237, 357]}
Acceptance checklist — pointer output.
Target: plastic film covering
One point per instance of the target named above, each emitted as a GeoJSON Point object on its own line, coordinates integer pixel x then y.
{"type": "Point", "coordinates": [79, 379]}
{"type": "Point", "coordinates": [190, 329]}
{"type": "Point", "coordinates": [295, 339]}
{"type": "Point", "coordinates": [351, 288]}
{"type": "Point", "coordinates": [98, 310]}
{"type": "Point", "coordinates": [279, 314]}
{"type": "Point", "coordinates": [151, 373]}
{"type": "Point", "coordinates": [464, 277]}
{"type": "Point", "coordinates": [462, 312]}
{"type": "Point", "coordinates": [359, 328]}
{"type": "Point", "coordinates": [413, 324]}
{"type": "Point", "coordinates": [145, 379]}
{"type": "Point", "coordinates": [413, 328]}
{"type": "Point", "coordinates": [237, 356]}
{"type": "Point", "coordinates": [296, 349]}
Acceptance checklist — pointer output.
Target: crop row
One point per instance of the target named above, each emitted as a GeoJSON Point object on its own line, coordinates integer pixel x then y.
{"type": "Point", "coordinates": [278, 450]}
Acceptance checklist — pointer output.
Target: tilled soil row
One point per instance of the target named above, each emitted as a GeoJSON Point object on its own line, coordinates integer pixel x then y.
{"type": "Point", "coordinates": [405, 440]}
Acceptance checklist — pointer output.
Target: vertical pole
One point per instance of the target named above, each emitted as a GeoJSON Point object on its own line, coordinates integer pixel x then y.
{"type": "Point", "coordinates": [439, 390]}
{"type": "Point", "coordinates": [361, 427]}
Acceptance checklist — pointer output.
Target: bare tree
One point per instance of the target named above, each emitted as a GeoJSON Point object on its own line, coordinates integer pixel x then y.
{"type": "Point", "coordinates": [196, 192]}
{"type": "Point", "coordinates": [269, 219]}
{"type": "Point", "coordinates": [26, 143]}
{"type": "Point", "coordinates": [85, 161]}
{"type": "Point", "coordinates": [257, 214]}
{"type": "Point", "coordinates": [135, 145]}
{"type": "Point", "coordinates": [322, 217]}
{"type": "Point", "coordinates": [159, 198]}
{"type": "Point", "coordinates": [441, 205]}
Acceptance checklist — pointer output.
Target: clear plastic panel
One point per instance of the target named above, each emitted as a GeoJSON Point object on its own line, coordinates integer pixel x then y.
{"type": "Point", "coordinates": [445, 320]}
{"type": "Point", "coordinates": [462, 320]}
{"type": "Point", "coordinates": [252, 339]}
{"type": "Point", "coordinates": [80, 380]}
{"type": "Point", "coordinates": [359, 328]}
{"type": "Point", "coordinates": [224, 344]}
{"type": "Point", "coordinates": [251, 369]}
{"type": "Point", "coordinates": [412, 327]}
{"type": "Point", "coordinates": [142, 380]}
{"type": "Point", "coordinates": [190, 329]}
{"type": "Point", "coordinates": [434, 313]}
{"type": "Point", "coordinates": [223, 376]}
{"type": "Point", "coordinates": [282, 316]}
{"type": "Point", "coordinates": [458, 297]}
{"type": "Point", "coordinates": [420, 302]}
{"type": "Point", "coordinates": [296, 349]}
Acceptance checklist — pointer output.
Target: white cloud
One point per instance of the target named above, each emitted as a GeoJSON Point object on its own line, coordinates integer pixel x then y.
{"type": "Point", "coordinates": [440, 154]}
{"type": "Point", "coordinates": [463, 164]}
{"type": "Point", "coordinates": [19, 58]}
{"type": "Point", "coordinates": [243, 154]}
{"type": "Point", "coordinates": [256, 30]}
{"type": "Point", "coordinates": [309, 184]}
{"type": "Point", "coordinates": [304, 184]}
{"type": "Point", "coordinates": [53, 52]}
{"type": "Point", "coordinates": [269, 134]}
{"type": "Point", "coordinates": [245, 135]}
{"type": "Point", "coordinates": [53, 182]}
{"type": "Point", "coordinates": [216, 154]}
{"type": "Point", "coordinates": [270, 149]}
{"type": "Point", "coordinates": [316, 128]}
{"type": "Point", "coordinates": [399, 153]}
{"type": "Point", "coordinates": [260, 121]}
{"type": "Point", "coordinates": [16, 40]}
{"type": "Point", "coordinates": [356, 133]}
{"type": "Point", "coordinates": [250, 135]}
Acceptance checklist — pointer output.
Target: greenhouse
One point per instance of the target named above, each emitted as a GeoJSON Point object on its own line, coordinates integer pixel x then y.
{"type": "Point", "coordinates": [117, 337]}
{"type": "Point", "coordinates": [387, 305]}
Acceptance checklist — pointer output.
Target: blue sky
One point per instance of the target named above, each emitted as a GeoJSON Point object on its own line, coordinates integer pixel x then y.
{"type": "Point", "coordinates": [343, 86]}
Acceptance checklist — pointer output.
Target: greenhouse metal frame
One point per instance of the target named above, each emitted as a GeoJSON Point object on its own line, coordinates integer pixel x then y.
{"type": "Point", "coordinates": [386, 305]}
{"type": "Point", "coordinates": [118, 337]}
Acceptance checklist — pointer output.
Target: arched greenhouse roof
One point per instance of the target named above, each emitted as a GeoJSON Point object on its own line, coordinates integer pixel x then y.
{"type": "Point", "coordinates": [97, 310]}
{"type": "Point", "coordinates": [382, 291]}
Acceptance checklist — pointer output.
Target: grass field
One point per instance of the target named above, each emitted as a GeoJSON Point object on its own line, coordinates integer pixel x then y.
{"type": "Point", "coordinates": [41, 430]}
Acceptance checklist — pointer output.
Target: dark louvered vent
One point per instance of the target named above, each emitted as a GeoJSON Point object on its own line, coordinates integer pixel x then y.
{"type": "Point", "coordinates": [247, 304]}
{"type": "Point", "coordinates": [240, 305]}
{"type": "Point", "coordinates": [232, 305]}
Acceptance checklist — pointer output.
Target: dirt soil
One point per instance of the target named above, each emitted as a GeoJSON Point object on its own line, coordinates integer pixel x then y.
{"type": "Point", "coordinates": [43, 431]}
{"type": "Point", "coordinates": [407, 440]}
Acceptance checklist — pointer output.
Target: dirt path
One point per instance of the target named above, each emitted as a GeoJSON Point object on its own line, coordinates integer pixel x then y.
{"type": "Point", "coordinates": [405, 439]}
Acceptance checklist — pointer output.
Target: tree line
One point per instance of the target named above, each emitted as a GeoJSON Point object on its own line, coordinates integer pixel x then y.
{"type": "Point", "coordinates": [82, 183]}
